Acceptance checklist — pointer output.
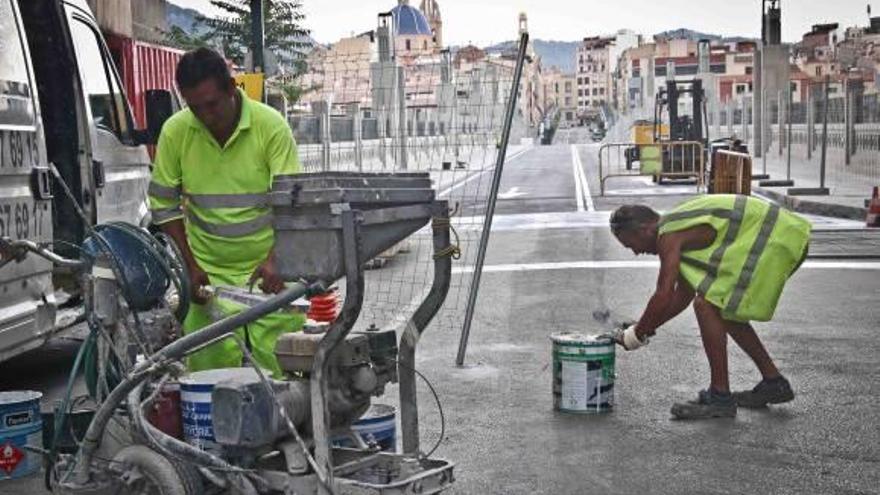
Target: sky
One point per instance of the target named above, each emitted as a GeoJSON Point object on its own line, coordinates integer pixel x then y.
{"type": "Point", "coordinates": [483, 22]}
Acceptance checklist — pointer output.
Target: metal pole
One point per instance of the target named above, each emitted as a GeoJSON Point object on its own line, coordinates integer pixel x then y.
{"type": "Point", "coordinates": [811, 121]}
{"type": "Point", "coordinates": [765, 146]}
{"type": "Point", "coordinates": [788, 138]}
{"type": "Point", "coordinates": [257, 40]}
{"type": "Point", "coordinates": [493, 196]}
{"type": "Point", "coordinates": [779, 117]}
{"type": "Point", "coordinates": [847, 120]}
{"type": "Point", "coordinates": [824, 133]}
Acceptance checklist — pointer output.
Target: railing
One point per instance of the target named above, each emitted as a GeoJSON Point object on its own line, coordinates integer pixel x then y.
{"type": "Point", "coordinates": [664, 160]}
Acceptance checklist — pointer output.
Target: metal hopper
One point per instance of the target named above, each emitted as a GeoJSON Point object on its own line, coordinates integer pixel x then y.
{"type": "Point", "coordinates": [308, 222]}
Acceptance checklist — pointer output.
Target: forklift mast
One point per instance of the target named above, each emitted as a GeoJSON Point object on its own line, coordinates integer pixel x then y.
{"type": "Point", "coordinates": [681, 127]}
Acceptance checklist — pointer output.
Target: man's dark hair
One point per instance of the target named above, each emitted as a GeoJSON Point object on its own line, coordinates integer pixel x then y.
{"type": "Point", "coordinates": [200, 65]}
{"type": "Point", "coordinates": [632, 217]}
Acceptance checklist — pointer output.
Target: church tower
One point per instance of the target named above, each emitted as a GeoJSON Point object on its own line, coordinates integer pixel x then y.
{"type": "Point", "coordinates": [432, 12]}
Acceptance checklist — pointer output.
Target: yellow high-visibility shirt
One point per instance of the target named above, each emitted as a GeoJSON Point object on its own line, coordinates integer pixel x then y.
{"type": "Point", "coordinates": [221, 192]}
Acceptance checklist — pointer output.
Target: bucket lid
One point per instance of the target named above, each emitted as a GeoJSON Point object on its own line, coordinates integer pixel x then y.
{"type": "Point", "coordinates": [213, 377]}
{"type": "Point", "coordinates": [18, 396]}
{"type": "Point", "coordinates": [575, 338]}
{"type": "Point", "coordinates": [378, 411]}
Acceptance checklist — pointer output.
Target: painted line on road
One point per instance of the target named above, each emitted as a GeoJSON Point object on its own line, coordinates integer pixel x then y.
{"type": "Point", "coordinates": [581, 178]}
{"type": "Point", "coordinates": [475, 175]}
{"type": "Point", "coordinates": [578, 187]}
{"type": "Point", "coordinates": [617, 264]}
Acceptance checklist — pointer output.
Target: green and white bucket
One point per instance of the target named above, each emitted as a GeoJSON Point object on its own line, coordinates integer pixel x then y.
{"type": "Point", "coordinates": [583, 373]}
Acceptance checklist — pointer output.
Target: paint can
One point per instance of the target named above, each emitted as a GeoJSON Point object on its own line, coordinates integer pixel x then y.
{"type": "Point", "coordinates": [21, 426]}
{"type": "Point", "coordinates": [195, 404]}
{"type": "Point", "coordinates": [583, 373]}
{"type": "Point", "coordinates": [376, 426]}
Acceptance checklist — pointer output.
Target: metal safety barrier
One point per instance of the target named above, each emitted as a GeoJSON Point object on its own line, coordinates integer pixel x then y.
{"type": "Point", "coordinates": [664, 160]}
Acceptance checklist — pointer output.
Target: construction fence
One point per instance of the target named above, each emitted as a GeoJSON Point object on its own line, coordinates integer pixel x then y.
{"type": "Point", "coordinates": [396, 113]}
{"type": "Point", "coordinates": [827, 135]}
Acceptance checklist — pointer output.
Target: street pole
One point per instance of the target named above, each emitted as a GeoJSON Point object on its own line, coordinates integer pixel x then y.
{"type": "Point", "coordinates": [788, 137]}
{"type": "Point", "coordinates": [824, 133]}
{"type": "Point", "coordinates": [257, 41]}
{"type": "Point", "coordinates": [821, 190]}
{"type": "Point", "coordinates": [493, 197]}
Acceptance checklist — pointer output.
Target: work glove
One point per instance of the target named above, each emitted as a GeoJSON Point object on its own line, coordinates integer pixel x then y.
{"type": "Point", "coordinates": [626, 338]}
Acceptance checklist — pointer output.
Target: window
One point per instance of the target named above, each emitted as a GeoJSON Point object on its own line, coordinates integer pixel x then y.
{"type": "Point", "coordinates": [425, 45]}
{"type": "Point", "coordinates": [595, 91]}
{"type": "Point", "coordinates": [408, 45]}
{"type": "Point", "coordinates": [16, 100]}
{"type": "Point", "coordinates": [580, 92]}
{"type": "Point", "coordinates": [106, 101]}
{"type": "Point", "coordinates": [602, 91]}
{"type": "Point", "coordinates": [569, 116]}
{"type": "Point", "coordinates": [818, 71]}
{"type": "Point", "coordinates": [587, 80]}
{"type": "Point", "coordinates": [568, 101]}
{"type": "Point", "coordinates": [568, 87]}
{"type": "Point", "coordinates": [749, 71]}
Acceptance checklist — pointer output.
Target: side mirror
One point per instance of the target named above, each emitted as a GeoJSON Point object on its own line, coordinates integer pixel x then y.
{"type": "Point", "coordinates": [160, 107]}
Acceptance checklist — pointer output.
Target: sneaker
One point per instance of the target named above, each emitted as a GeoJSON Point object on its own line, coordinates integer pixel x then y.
{"type": "Point", "coordinates": [774, 391]}
{"type": "Point", "coordinates": [709, 404]}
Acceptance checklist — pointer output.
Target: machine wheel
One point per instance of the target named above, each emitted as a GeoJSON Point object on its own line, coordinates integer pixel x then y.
{"type": "Point", "coordinates": [146, 472]}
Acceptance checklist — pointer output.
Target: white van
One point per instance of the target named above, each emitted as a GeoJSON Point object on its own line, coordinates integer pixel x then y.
{"type": "Point", "coordinates": [61, 102]}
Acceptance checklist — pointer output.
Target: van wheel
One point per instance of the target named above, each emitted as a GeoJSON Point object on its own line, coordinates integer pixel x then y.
{"type": "Point", "coordinates": [146, 472]}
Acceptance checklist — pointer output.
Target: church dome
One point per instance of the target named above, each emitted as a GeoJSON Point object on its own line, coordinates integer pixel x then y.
{"type": "Point", "coordinates": [409, 20]}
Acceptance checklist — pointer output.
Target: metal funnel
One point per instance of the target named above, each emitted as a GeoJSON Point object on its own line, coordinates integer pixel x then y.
{"type": "Point", "coordinates": [308, 228]}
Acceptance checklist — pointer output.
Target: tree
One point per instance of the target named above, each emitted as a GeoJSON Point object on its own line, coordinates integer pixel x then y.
{"type": "Point", "coordinates": [284, 34]}
{"type": "Point", "coordinates": [285, 38]}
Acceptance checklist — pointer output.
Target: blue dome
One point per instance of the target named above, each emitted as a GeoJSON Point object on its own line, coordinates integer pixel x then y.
{"type": "Point", "coordinates": [410, 21]}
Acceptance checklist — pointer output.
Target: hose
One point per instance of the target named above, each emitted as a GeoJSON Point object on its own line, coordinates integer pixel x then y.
{"type": "Point", "coordinates": [60, 418]}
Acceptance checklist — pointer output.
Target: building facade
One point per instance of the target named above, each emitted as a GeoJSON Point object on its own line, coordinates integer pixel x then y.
{"type": "Point", "coordinates": [593, 74]}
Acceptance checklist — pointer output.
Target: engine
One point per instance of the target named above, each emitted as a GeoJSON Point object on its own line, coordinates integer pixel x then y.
{"type": "Point", "coordinates": [245, 415]}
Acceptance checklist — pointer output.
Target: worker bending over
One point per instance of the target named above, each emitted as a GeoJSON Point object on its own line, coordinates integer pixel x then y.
{"type": "Point", "coordinates": [214, 166]}
{"type": "Point", "coordinates": [730, 256]}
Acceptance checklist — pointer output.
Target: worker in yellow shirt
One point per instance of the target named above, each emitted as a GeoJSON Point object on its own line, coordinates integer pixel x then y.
{"type": "Point", "coordinates": [731, 256]}
{"type": "Point", "coordinates": [214, 166]}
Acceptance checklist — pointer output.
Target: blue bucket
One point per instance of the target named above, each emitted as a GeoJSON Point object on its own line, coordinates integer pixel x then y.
{"type": "Point", "coordinates": [21, 426]}
{"type": "Point", "coordinates": [377, 426]}
{"type": "Point", "coordinates": [195, 404]}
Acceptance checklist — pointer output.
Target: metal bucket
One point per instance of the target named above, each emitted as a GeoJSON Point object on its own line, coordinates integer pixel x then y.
{"type": "Point", "coordinates": [583, 373]}
{"type": "Point", "coordinates": [21, 426]}
{"type": "Point", "coordinates": [377, 426]}
{"type": "Point", "coordinates": [195, 404]}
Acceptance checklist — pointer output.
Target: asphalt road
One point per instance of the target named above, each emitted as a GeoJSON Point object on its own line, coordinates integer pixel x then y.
{"type": "Point", "coordinates": [550, 264]}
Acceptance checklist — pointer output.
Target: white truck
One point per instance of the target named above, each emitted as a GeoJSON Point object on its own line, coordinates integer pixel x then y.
{"type": "Point", "coordinates": [62, 109]}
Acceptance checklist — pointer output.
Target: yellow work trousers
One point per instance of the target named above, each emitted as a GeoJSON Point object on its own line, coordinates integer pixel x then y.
{"type": "Point", "coordinates": [261, 334]}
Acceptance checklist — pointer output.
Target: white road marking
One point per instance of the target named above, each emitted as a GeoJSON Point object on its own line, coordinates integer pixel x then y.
{"type": "Point", "coordinates": [453, 187]}
{"type": "Point", "coordinates": [512, 193]}
{"type": "Point", "coordinates": [616, 264]}
{"type": "Point", "coordinates": [578, 188]}
{"type": "Point", "coordinates": [581, 178]}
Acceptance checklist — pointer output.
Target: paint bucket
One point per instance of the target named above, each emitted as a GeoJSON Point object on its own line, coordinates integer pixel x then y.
{"type": "Point", "coordinates": [195, 404]}
{"type": "Point", "coordinates": [21, 426]}
{"type": "Point", "coordinates": [164, 413]}
{"type": "Point", "coordinates": [583, 373]}
{"type": "Point", "coordinates": [376, 426]}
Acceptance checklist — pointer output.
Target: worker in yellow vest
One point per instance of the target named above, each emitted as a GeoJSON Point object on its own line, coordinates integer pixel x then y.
{"type": "Point", "coordinates": [214, 166]}
{"type": "Point", "coordinates": [731, 256]}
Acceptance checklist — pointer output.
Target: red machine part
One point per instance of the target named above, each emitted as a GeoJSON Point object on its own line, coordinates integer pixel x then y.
{"type": "Point", "coordinates": [324, 307]}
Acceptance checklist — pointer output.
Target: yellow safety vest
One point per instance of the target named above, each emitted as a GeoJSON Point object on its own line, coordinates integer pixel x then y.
{"type": "Point", "coordinates": [757, 246]}
{"type": "Point", "coordinates": [222, 192]}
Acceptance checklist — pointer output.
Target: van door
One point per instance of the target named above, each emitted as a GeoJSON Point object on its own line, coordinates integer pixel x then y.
{"type": "Point", "coordinates": [120, 169]}
{"type": "Point", "coordinates": [27, 303]}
